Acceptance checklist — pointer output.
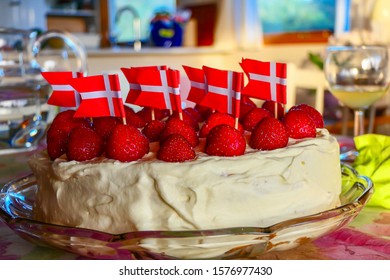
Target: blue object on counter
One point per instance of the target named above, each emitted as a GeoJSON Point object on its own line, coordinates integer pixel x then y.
{"type": "Point", "coordinates": [166, 33]}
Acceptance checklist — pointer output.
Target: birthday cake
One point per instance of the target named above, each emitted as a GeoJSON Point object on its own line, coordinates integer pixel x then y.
{"type": "Point", "coordinates": [258, 188]}
{"type": "Point", "coordinates": [186, 170]}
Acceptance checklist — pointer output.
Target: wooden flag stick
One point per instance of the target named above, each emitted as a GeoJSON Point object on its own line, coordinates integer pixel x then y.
{"type": "Point", "coordinates": [153, 114]}
{"type": "Point", "coordinates": [276, 109]}
{"type": "Point", "coordinates": [236, 123]}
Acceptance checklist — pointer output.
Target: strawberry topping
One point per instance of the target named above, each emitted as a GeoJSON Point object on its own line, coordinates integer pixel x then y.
{"type": "Point", "coordinates": [177, 126]}
{"type": "Point", "coordinates": [270, 106]}
{"type": "Point", "coordinates": [175, 148]}
{"type": "Point", "coordinates": [224, 140]}
{"type": "Point", "coordinates": [84, 144]}
{"type": "Point", "coordinates": [104, 125]}
{"type": "Point", "coordinates": [253, 117]}
{"type": "Point", "coordinates": [126, 143]}
{"type": "Point", "coordinates": [57, 143]}
{"type": "Point", "coordinates": [134, 119]}
{"type": "Point", "coordinates": [312, 112]}
{"type": "Point", "coordinates": [153, 130]}
{"type": "Point", "coordinates": [299, 124]}
{"type": "Point", "coordinates": [269, 134]}
{"type": "Point", "coordinates": [215, 119]}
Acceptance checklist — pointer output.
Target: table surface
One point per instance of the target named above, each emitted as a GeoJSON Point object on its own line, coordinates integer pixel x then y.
{"type": "Point", "coordinates": [367, 237]}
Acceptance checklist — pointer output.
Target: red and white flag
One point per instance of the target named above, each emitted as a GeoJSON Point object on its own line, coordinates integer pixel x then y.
{"type": "Point", "coordinates": [157, 89]}
{"type": "Point", "coordinates": [131, 75]}
{"type": "Point", "coordinates": [267, 80]}
{"type": "Point", "coordinates": [100, 96]}
{"type": "Point", "coordinates": [198, 84]}
{"type": "Point", "coordinates": [223, 90]}
{"type": "Point", "coordinates": [63, 95]}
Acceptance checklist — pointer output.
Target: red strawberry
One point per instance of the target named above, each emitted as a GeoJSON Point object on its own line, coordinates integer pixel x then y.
{"type": "Point", "coordinates": [177, 126]}
{"type": "Point", "coordinates": [204, 111]}
{"type": "Point", "coordinates": [215, 119]}
{"type": "Point", "coordinates": [299, 124]}
{"type": "Point", "coordinates": [66, 122]}
{"type": "Point", "coordinates": [57, 143]}
{"type": "Point", "coordinates": [194, 113]}
{"type": "Point", "coordinates": [104, 125]}
{"type": "Point", "coordinates": [133, 119]}
{"type": "Point", "coordinates": [253, 117]}
{"type": "Point", "coordinates": [312, 112]}
{"type": "Point", "coordinates": [187, 118]}
{"type": "Point", "coordinates": [146, 114]}
{"type": "Point", "coordinates": [153, 130]}
{"type": "Point", "coordinates": [126, 143]}
{"type": "Point", "coordinates": [246, 105]}
{"type": "Point", "coordinates": [270, 106]}
{"type": "Point", "coordinates": [58, 132]}
{"type": "Point", "coordinates": [224, 140]}
{"type": "Point", "coordinates": [84, 144]}
{"type": "Point", "coordinates": [175, 148]}
{"type": "Point", "coordinates": [269, 134]}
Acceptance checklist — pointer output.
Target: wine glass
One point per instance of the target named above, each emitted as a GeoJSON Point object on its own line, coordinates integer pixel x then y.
{"type": "Point", "coordinates": [357, 76]}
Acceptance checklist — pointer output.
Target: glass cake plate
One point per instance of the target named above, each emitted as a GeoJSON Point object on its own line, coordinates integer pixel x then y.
{"type": "Point", "coordinates": [17, 199]}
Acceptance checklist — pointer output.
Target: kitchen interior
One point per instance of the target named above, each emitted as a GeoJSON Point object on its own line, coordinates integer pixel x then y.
{"type": "Point", "coordinates": [119, 33]}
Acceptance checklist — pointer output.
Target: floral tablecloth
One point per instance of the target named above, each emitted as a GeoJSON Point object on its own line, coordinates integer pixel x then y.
{"type": "Point", "coordinates": [367, 237]}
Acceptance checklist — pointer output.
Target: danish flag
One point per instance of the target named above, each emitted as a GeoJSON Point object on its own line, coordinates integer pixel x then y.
{"type": "Point", "coordinates": [198, 84]}
{"type": "Point", "coordinates": [267, 80]}
{"type": "Point", "coordinates": [63, 95]}
{"type": "Point", "coordinates": [100, 96]}
{"type": "Point", "coordinates": [131, 75]}
{"type": "Point", "coordinates": [223, 90]}
{"type": "Point", "coordinates": [154, 87]}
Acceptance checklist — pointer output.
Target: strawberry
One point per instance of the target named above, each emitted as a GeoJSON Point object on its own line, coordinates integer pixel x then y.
{"type": "Point", "coordinates": [57, 143]}
{"type": "Point", "coordinates": [175, 148]}
{"type": "Point", "coordinates": [253, 117]}
{"type": "Point", "coordinates": [246, 105]}
{"type": "Point", "coordinates": [134, 119]}
{"type": "Point", "coordinates": [299, 124]}
{"type": "Point", "coordinates": [66, 122]}
{"type": "Point", "coordinates": [204, 111]}
{"type": "Point", "coordinates": [313, 113]}
{"type": "Point", "coordinates": [126, 143]}
{"type": "Point", "coordinates": [270, 106]}
{"type": "Point", "coordinates": [224, 140]}
{"type": "Point", "coordinates": [104, 125]}
{"type": "Point", "coordinates": [187, 118]}
{"type": "Point", "coordinates": [215, 119]}
{"type": "Point", "coordinates": [269, 134]}
{"type": "Point", "coordinates": [84, 144]}
{"type": "Point", "coordinates": [194, 113]}
{"type": "Point", "coordinates": [177, 126]}
{"type": "Point", "coordinates": [153, 130]}
{"type": "Point", "coordinates": [146, 114]}
{"type": "Point", "coordinates": [58, 132]}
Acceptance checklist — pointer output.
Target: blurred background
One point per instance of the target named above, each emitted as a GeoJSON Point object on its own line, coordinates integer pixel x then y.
{"type": "Point", "coordinates": [124, 33]}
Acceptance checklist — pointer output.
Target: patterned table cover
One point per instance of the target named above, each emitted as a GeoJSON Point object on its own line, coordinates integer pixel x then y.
{"type": "Point", "coordinates": [366, 238]}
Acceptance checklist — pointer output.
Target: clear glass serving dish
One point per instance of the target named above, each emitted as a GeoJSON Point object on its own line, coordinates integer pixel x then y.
{"type": "Point", "coordinates": [17, 199]}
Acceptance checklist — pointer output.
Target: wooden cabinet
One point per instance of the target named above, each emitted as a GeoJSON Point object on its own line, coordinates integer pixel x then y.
{"type": "Point", "coordinates": [80, 20]}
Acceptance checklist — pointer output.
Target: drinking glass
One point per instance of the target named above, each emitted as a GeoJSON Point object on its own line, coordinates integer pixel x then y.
{"type": "Point", "coordinates": [23, 91]}
{"type": "Point", "coordinates": [357, 76]}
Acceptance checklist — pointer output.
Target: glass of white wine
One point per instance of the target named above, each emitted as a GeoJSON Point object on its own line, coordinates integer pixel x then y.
{"type": "Point", "coordinates": [357, 76]}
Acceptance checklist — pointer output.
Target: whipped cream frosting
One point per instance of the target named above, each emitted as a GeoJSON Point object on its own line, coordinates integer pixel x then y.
{"type": "Point", "coordinates": [259, 189]}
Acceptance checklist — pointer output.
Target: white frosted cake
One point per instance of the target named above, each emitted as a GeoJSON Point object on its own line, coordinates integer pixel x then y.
{"type": "Point", "coordinates": [258, 188]}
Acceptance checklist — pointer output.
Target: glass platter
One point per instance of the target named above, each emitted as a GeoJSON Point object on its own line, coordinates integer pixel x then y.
{"type": "Point", "coordinates": [17, 199]}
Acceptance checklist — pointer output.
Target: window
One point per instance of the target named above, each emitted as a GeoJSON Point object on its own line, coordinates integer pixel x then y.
{"type": "Point", "coordinates": [130, 20]}
{"type": "Point", "coordinates": [295, 21]}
